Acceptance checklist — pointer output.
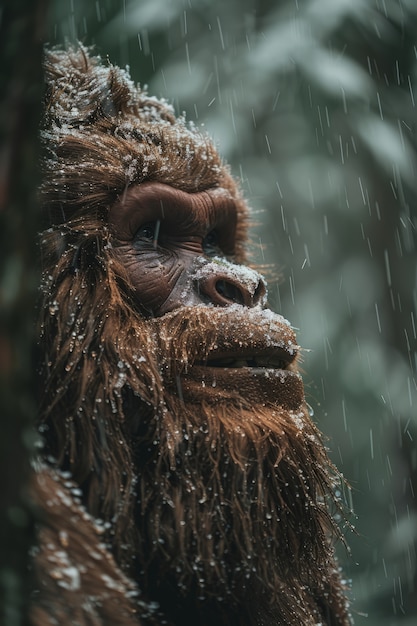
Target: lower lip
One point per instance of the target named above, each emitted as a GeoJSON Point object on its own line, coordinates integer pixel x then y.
{"type": "Point", "coordinates": [252, 384]}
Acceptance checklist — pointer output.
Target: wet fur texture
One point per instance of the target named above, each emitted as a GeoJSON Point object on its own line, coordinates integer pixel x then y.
{"type": "Point", "coordinates": [213, 509]}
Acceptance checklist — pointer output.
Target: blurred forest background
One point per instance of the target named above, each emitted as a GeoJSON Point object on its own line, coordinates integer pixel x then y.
{"type": "Point", "coordinates": [313, 103]}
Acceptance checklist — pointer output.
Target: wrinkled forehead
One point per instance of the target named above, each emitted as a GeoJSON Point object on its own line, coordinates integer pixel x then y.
{"type": "Point", "coordinates": [193, 213]}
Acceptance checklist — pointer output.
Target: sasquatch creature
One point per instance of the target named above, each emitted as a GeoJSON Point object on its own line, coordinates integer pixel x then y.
{"type": "Point", "coordinates": [182, 480]}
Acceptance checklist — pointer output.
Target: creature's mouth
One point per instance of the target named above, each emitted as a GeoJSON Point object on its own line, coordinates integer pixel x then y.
{"type": "Point", "coordinates": [246, 356]}
{"type": "Point", "coordinates": [278, 359]}
{"type": "Point", "coordinates": [266, 376]}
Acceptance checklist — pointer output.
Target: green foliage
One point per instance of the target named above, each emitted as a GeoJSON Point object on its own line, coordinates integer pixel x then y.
{"type": "Point", "coordinates": [313, 103]}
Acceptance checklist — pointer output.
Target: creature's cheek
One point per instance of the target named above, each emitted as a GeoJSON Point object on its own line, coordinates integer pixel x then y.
{"type": "Point", "coordinates": [154, 277]}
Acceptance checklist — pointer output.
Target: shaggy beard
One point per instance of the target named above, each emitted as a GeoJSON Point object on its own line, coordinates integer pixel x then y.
{"type": "Point", "coordinates": [211, 496]}
{"type": "Point", "coordinates": [239, 509]}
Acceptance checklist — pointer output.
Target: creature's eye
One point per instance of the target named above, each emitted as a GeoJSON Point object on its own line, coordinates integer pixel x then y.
{"type": "Point", "coordinates": [148, 232]}
{"type": "Point", "coordinates": [211, 245]}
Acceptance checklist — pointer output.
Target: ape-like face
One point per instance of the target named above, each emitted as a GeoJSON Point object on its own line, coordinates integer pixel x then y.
{"type": "Point", "coordinates": [178, 250]}
{"type": "Point", "coordinates": [167, 235]}
{"type": "Point", "coordinates": [169, 389]}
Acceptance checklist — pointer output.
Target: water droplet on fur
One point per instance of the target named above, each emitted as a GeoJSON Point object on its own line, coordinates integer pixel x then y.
{"type": "Point", "coordinates": [310, 410]}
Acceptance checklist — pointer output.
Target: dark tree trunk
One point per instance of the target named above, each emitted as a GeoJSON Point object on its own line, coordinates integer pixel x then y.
{"type": "Point", "coordinates": [21, 26]}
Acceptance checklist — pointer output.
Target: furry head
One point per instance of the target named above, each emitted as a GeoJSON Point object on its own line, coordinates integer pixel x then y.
{"type": "Point", "coordinates": [169, 390]}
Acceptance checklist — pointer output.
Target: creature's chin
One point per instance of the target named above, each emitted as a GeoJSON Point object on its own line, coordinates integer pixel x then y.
{"type": "Point", "coordinates": [252, 385]}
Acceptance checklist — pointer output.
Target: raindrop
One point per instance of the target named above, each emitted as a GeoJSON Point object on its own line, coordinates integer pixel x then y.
{"type": "Point", "coordinates": [310, 409]}
{"type": "Point", "coordinates": [53, 307]}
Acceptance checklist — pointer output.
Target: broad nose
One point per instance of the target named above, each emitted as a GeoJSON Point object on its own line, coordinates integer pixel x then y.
{"type": "Point", "coordinates": [225, 284]}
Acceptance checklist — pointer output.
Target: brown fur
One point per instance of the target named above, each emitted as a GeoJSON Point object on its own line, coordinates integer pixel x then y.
{"type": "Point", "coordinates": [216, 506]}
{"type": "Point", "coordinates": [78, 582]}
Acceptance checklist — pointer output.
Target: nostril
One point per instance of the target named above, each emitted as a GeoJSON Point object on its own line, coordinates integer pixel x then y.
{"type": "Point", "coordinates": [260, 292]}
{"type": "Point", "coordinates": [223, 284]}
{"type": "Point", "coordinates": [229, 291]}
